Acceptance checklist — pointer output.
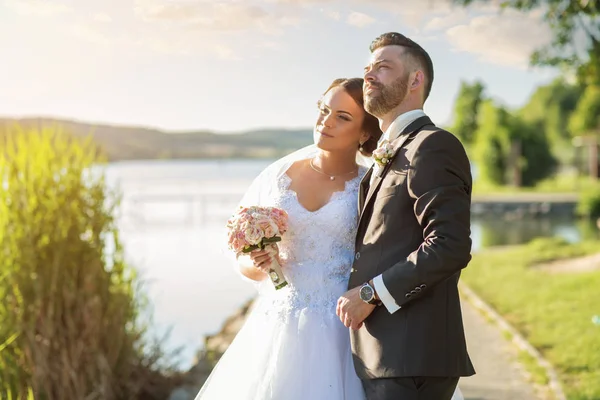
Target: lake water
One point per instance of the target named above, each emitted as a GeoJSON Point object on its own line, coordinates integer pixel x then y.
{"type": "Point", "coordinates": [172, 223]}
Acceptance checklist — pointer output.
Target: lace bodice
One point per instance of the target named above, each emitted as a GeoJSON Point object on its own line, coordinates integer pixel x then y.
{"type": "Point", "coordinates": [317, 250]}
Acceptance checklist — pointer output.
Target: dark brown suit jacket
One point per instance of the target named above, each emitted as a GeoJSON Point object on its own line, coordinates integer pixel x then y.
{"type": "Point", "coordinates": [414, 228]}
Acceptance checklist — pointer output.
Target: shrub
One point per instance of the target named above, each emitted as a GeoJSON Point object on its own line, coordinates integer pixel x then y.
{"type": "Point", "coordinates": [71, 323]}
{"type": "Point", "coordinates": [589, 202]}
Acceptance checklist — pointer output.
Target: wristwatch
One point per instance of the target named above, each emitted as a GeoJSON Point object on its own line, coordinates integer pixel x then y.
{"type": "Point", "coordinates": [367, 294]}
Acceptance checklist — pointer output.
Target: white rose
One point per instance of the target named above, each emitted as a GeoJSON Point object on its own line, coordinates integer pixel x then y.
{"type": "Point", "coordinates": [253, 235]}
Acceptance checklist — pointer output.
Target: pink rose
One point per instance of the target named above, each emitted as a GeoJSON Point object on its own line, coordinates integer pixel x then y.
{"type": "Point", "coordinates": [270, 230]}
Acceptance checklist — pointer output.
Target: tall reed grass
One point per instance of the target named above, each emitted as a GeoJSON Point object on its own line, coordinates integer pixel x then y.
{"type": "Point", "coordinates": [73, 317]}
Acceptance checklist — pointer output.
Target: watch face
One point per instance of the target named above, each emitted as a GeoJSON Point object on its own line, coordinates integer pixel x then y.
{"type": "Point", "coordinates": [366, 293]}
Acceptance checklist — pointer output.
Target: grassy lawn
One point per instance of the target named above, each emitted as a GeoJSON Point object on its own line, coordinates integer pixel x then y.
{"type": "Point", "coordinates": [553, 311]}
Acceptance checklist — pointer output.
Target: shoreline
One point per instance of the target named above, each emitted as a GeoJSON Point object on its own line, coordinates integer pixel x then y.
{"type": "Point", "coordinates": [519, 205]}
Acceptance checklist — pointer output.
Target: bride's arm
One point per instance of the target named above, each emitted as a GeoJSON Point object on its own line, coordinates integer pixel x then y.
{"type": "Point", "coordinates": [249, 270]}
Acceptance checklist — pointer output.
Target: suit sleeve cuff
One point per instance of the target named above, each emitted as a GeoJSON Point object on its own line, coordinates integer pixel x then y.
{"type": "Point", "coordinates": [385, 296]}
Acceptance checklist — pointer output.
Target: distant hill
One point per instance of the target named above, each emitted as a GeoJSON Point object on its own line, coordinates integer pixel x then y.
{"type": "Point", "coordinates": [135, 143]}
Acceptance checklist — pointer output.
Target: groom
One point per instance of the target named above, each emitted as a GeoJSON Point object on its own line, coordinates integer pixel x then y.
{"type": "Point", "coordinates": [413, 239]}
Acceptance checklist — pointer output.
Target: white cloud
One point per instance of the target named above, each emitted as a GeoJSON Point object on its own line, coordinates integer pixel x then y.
{"type": "Point", "coordinates": [160, 45]}
{"type": "Point", "coordinates": [300, 2]}
{"type": "Point", "coordinates": [231, 17]}
{"type": "Point", "coordinates": [225, 52]}
{"type": "Point", "coordinates": [412, 8]}
{"type": "Point", "coordinates": [45, 8]}
{"type": "Point", "coordinates": [90, 34]}
{"type": "Point", "coordinates": [269, 45]}
{"type": "Point", "coordinates": [180, 29]}
{"type": "Point", "coordinates": [446, 21]}
{"type": "Point", "coordinates": [389, 5]}
{"type": "Point", "coordinates": [359, 20]}
{"type": "Point", "coordinates": [102, 17]}
{"type": "Point", "coordinates": [174, 44]}
{"type": "Point", "coordinates": [422, 38]}
{"type": "Point", "coordinates": [216, 16]}
{"type": "Point", "coordinates": [414, 14]}
{"type": "Point", "coordinates": [506, 39]}
{"type": "Point", "coordinates": [177, 43]}
{"type": "Point", "coordinates": [334, 15]}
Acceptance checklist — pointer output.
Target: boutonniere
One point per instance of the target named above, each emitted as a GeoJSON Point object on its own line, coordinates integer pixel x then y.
{"type": "Point", "coordinates": [383, 153]}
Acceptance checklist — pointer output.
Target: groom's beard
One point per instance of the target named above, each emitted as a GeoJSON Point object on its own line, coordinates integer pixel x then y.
{"type": "Point", "coordinates": [389, 97]}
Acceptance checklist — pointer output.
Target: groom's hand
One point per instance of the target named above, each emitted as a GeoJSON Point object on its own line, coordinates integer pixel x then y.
{"type": "Point", "coordinates": [352, 310]}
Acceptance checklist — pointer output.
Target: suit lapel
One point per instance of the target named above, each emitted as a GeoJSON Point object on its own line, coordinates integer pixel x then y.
{"type": "Point", "coordinates": [364, 186]}
{"type": "Point", "coordinates": [412, 129]}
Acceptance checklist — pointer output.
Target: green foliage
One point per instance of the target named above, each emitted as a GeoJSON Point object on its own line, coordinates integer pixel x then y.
{"type": "Point", "coordinates": [536, 159]}
{"type": "Point", "coordinates": [589, 202]}
{"type": "Point", "coordinates": [550, 107]}
{"type": "Point", "coordinates": [498, 132]}
{"type": "Point", "coordinates": [492, 143]}
{"type": "Point", "coordinates": [586, 117]}
{"type": "Point", "coordinates": [466, 108]}
{"type": "Point", "coordinates": [552, 310]}
{"type": "Point", "coordinates": [70, 319]}
{"type": "Point", "coordinates": [589, 72]}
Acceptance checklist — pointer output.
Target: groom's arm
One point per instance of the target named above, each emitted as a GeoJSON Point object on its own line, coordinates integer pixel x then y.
{"type": "Point", "coordinates": [439, 181]}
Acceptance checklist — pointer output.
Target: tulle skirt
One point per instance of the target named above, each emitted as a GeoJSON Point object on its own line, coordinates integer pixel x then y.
{"type": "Point", "coordinates": [283, 353]}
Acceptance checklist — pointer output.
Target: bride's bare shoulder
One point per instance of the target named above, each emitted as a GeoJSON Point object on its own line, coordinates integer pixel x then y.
{"type": "Point", "coordinates": [297, 169]}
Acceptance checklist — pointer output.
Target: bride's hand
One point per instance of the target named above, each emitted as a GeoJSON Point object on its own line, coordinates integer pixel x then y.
{"type": "Point", "coordinates": [262, 258]}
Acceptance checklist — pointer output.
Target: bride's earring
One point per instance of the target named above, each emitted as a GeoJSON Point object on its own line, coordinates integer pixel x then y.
{"type": "Point", "coordinates": [360, 146]}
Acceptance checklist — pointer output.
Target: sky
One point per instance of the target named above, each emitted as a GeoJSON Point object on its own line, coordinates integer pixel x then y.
{"type": "Point", "coordinates": [227, 66]}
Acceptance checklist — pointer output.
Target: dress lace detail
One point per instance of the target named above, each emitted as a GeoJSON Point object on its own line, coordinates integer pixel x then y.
{"type": "Point", "coordinates": [292, 345]}
{"type": "Point", "coordinates": [316, 253]}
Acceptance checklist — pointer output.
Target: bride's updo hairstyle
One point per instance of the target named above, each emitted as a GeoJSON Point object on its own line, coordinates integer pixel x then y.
{"type": "Point", "coordinates": [370, 126]}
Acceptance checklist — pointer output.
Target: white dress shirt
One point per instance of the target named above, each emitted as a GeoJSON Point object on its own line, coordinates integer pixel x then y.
{"type": "Point", "coordinates": [393, 131]}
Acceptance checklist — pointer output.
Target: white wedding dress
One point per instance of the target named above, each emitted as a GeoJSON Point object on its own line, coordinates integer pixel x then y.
{"type": "Point", "coordinates": [292, 345]}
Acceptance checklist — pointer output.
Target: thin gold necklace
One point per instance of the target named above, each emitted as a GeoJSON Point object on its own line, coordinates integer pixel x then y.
{"type": "Point", "coordinates": [331, 177]}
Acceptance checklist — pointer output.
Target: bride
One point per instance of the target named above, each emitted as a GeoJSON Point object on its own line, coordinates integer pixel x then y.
{"type": "Point", "coordinates": [293, 345]}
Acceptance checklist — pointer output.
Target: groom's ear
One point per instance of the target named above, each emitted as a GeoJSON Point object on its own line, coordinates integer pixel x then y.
{"type": "Point", "coordinates": [418, 79]}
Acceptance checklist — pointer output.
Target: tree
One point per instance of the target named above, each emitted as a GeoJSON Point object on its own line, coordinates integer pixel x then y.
{"type": "Point", "coordinates": [550, 106]}
{"type": "Point", "coordinates": [575, 25]}
{"type": "Point", "coordinates": [492, 143]}
{"type": "Point", "coordinates": [586, 117]}
{"type": "Point", "coordinates": [509, 150]}
{"type": "Point", "coordinates": [589, 73]}
{"type": "Point", "coordinates": [585, 122]}
{"type": "Point", "coordinates": [535, 161]}
{"type": "Point", "coordinates": [549, 110]}
{"type": "Point", "coordinates": [466, 108]}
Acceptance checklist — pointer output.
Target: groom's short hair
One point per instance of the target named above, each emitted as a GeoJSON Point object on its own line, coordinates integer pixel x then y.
{"type": "Point", "coordinates": [414, 51]}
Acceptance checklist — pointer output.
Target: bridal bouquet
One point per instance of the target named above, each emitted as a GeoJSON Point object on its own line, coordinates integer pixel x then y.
{"type": "Point", "coordinates": [255, 227]}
